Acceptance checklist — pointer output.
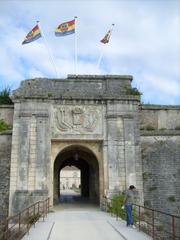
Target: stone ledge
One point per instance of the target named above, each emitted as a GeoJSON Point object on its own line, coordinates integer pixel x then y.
{"type": "Point", "coordinates": [7, 106]}
{"type": "Point", "coordinates": [159, 107]}
{"type": "Point", "coordinates": [6, 132]}
{"type": "Point", "coordinates": [79, 97]}
{"type": "Point", "coordinates": [95, 77]}
{"type": "Point", "coordinates": [171, 132]}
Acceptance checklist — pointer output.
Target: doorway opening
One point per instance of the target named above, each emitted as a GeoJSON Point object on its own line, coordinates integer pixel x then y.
{"type": "Point", "coordinates": [83, 160]}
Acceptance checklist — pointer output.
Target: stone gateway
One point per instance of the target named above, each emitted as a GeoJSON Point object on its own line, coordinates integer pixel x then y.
{"type": "Point", "coordinates": [88, 116]}
{"type": "Point", "coordinates": [97, 124]}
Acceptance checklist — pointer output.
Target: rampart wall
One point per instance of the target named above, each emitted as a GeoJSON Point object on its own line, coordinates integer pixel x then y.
{"type": "Point", "coordinates": [160, 146]}
{"type": "Point", "coordinates": [6, 113]}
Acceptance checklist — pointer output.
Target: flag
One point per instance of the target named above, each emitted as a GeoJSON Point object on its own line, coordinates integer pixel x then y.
{"type": "Point", "coordinates": [33, 35]}
{"type": "Point", "coordinates": [65, 28]}
{"type": "Point", "coordinates": [106, 37]}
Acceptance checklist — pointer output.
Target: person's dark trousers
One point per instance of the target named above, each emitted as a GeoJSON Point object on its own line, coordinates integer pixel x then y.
{"type": "Point", "coordinates": [129, 215]}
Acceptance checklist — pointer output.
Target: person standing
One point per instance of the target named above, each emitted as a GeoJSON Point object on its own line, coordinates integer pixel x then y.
{"type": "Point", "coordinates": [130, 197]}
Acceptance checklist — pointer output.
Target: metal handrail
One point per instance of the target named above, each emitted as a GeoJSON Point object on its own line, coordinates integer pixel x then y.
{"type": "Point", "coordinates": [158, 224]}
{"type": "Point", "coordinates": [15, 227]}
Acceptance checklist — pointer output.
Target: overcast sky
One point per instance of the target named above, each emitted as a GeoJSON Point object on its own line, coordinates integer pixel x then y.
{"type": "Point", "coordinates": [145, 42]}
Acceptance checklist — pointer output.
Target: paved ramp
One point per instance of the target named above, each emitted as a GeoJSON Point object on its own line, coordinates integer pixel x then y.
{"type": "Point", "coordinates": [82, 222]}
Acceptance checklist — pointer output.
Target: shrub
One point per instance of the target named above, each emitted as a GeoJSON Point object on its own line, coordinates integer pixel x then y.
{"type": "Point", "coordinates": [177, 127]}
{"type": "Point", "coordinates": [150, 128]}
{"type": "Point", "coordinates": [147, 127]}
{"type": "Point", "coordinates": [5, 96]}
{"type": "Point", "coordinates": [117, 203]}
{"type": "Point", "coordinates": [4, 126]}
{"type": "Point", "coordinates": [132, 91]}
{"type": "Point", "coordinates": [50, 94]}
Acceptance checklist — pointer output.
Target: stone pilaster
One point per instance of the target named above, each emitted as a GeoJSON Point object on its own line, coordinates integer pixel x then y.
{"type": "Point", "coordinates": [32, 154]}
{"type": "Point", "coordinates": [129, 144]}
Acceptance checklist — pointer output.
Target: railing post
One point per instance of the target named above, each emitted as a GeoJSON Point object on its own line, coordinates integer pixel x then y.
{"type": "Point", "coordinates": [34, 213]}
{"type": "Point", "coordinates": [111, 204]}
{"type": "Point", "coordinates": [153, 232]}
{"type": "Point", "coordinates": [38, 210]}
{"type": "Point", "coordinates": [6, 229]}
{"type": "Point", "coordinates": [28, 220]}
{"type": "Point", "coordinates": [43, 210]}
{"type": "Point", "coordinates": [173, 229]}
{"type": "Point", "coordinates": [48, 205]}
{"type": "Point", "coordinates": [116, 210]}
{"type": "Point", "coordinates": [139, 216]}
{"type": "Point", "coordinates": [19, 219]}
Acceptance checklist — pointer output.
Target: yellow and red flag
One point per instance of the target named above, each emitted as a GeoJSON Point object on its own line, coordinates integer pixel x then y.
{"type": "Point", "coordinates": [33, 35]}
{"type": "Point", "coordinates": [65, 28]}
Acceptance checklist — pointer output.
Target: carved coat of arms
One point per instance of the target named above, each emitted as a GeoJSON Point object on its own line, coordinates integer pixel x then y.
{"type": "Point", "coordinates": [76, 119]}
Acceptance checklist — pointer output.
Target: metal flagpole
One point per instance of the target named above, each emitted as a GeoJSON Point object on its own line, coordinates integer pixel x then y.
{"type": "Point", "coordinates": [102, 52]}
{"type": "Point", "coordinates": [100, 57]}
{"type": "Point", "coordinates": [75, 46]}
{"type": "Point", "coordinates": [48, 49]}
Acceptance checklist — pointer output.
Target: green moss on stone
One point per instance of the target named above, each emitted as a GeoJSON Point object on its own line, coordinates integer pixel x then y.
{"type": "Point", "coordinates": [172, 199]}
{"type": "Point", "coordinates": [177, 127]}
{"type": "Point", "coordinates": [147, 175]}
{"type": "Point", "coordinates": [153, 188]}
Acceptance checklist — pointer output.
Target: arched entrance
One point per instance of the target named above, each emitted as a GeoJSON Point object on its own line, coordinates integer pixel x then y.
{"type": "Point", "coordinates": [85, 160]}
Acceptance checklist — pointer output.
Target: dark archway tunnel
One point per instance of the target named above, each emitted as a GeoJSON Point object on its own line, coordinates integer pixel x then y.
{"type": "Point", "coordinates": [86, 162]}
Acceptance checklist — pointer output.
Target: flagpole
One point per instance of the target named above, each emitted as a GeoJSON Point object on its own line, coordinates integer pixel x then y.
{"type": "Point", "coordinates": [48, 50]}
{"type": "Point", "coordinates": [75, 46]}
{"type": "Point", "coordinates": [100, 57]}
{"type": "Point", "coordinates": [102, 52]}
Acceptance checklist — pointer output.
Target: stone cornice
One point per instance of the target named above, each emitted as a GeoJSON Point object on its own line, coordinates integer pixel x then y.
{"type": "Point", "coordinates": [170, 132]}
{"type": "Point", "coordinates": [159, 107]}
{"type": "Point", "coordinates": [104, 77]}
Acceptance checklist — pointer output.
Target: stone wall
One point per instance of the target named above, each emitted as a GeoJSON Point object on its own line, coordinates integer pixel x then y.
{"type": "Point", "coordinates": [5, 156]}
{"type": "Point", "coordinates": [6, 113]}
{"type": "Point", "coordinates": [160, 117]}
{"type": "Point", "coordinates": [161, 170]}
